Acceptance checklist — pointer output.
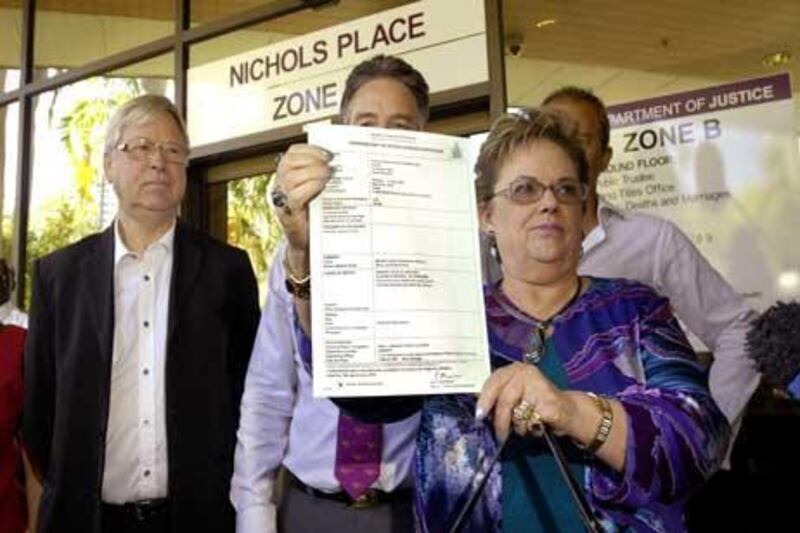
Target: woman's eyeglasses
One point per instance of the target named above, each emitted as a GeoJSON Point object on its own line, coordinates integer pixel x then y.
{"type": "Point", "coordinates": [527, 190]}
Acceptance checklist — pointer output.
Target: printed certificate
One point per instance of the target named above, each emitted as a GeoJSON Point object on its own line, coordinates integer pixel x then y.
{"type": "Point", "coordinates": [397, 302]}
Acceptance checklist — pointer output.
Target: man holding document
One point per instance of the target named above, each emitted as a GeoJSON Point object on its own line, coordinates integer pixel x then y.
{"type": "Point", "coordinates": [281, 422]}
{"type": "Point", "coordinates": [395, 263]}
{"type": "Point", "coordinates": [601, 363]}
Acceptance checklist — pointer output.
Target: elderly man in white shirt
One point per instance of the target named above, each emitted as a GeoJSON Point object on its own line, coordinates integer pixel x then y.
{"type": "Point", "coordinates": [138, 345]}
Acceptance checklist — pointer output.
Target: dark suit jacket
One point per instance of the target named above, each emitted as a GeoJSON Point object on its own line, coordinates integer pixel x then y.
{"type": "Point", "coordinates": [213, 316]}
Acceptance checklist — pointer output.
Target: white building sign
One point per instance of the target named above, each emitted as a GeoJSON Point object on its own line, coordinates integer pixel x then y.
{"type": "Point", "coordinates": [302, 79]}
{"type": "Point", "coordinates": [722, 163]}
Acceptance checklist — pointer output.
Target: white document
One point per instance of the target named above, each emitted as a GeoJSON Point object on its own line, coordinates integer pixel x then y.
{"type": "Point", "coordinates": [397, 301]}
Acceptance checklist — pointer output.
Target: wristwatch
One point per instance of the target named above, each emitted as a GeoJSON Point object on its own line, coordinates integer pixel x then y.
{"type": "Point", "coordinates": [297, 287]}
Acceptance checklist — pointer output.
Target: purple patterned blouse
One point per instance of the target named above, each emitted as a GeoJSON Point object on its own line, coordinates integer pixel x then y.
{"type": "Point", "coordinates": [618, 339]}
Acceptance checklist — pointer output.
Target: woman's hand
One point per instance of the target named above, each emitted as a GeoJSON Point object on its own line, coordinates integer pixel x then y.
{"type": "Point", "coordinates": [507, 387]}
{"type": "Point", "coordinates": [302, 174]}
{"type": "Point", "coordinates": [571, 413]}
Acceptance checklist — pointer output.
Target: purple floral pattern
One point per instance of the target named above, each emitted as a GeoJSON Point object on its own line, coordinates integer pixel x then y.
{"type": "Point", "coordinates": [619, 339]}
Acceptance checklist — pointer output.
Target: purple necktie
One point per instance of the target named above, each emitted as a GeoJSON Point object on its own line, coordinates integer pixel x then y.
{"type": "Point", "coordinates": [358, 454]}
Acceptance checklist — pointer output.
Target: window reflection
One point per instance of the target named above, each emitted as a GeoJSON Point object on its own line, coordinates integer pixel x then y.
{"type": "Point", "coordinates": [252, 225]}
{"type": "Point", "coordinates": [9, 120]}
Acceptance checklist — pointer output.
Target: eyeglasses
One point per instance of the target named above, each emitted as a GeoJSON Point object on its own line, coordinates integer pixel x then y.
{"type": "Point", "coordinates": [527, 190]}
{"type": "Point", "coordinates": [144, 149]}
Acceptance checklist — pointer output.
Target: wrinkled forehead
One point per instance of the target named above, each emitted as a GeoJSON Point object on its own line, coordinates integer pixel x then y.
{"type": "Point", "coordinates": [161, 121]}
{"type": "Point", "coordinates": [540, 158]}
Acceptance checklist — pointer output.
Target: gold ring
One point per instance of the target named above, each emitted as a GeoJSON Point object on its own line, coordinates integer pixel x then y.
{"type": "Point", "coordinates": [524, 412]}
{"type": "Point", "coordinates": [526, 416]}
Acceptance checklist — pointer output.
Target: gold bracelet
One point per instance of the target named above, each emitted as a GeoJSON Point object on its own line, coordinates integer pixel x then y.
{"type": "Point", "coordinates": [604, 428]}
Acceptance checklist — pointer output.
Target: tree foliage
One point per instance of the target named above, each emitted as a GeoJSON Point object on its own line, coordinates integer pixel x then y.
{"type": "Point", "coordinates": [63, 219]}
{"type": "Point", "coordinates": [252, 225]}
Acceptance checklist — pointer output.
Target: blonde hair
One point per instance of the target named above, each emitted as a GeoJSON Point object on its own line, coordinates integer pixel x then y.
{"type": "Point", "coordinates": [514, 130]}
{"type": "Point", "coordinates": [138, 111]}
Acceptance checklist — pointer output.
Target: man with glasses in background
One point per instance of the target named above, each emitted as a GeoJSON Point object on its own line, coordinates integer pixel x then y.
{"type": "Point", "coordinates": [136, 354]}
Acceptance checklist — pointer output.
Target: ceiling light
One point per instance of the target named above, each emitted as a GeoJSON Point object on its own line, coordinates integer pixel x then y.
{"type": "Point", "coordinates": [545, 22]}
{"type": "Point", "coordinates": [777, 59]}
{"type": "Point", "coordinates": [789, 280]}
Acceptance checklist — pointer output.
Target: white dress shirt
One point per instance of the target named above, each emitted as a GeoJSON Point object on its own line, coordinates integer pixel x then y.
{"type": "Point", "coordinates": [282, 423]}
{"type": "Point", "coordinates": [136, 439]}
{"type": "Point", "coordinates": [11, 316]}
{"type": "Point", "coordinates": [654, 251]}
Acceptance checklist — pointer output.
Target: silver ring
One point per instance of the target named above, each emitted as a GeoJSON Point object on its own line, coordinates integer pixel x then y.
{"type": "Point", "coordinates": [280, 200]}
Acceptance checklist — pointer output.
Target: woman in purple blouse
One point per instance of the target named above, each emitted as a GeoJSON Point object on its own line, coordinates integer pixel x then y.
{"type": "Point", "coordinates": [602, 362]}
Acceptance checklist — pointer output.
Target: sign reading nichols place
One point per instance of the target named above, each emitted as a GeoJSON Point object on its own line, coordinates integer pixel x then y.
{"type": "Point", "coordinates": [301, 79]}
{"type": "Point", "coordinates": [722, 163]}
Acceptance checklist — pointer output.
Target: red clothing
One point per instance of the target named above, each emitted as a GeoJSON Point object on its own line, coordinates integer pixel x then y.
{"type": "Point", "coordinates": [13, 505]}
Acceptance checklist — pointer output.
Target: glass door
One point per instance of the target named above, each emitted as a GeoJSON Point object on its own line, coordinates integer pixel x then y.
{"type": "Point", "coordinates": [239, 212]}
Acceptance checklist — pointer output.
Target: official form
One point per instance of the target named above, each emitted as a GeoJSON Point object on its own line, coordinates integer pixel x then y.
{"type": "Point", "coordinates": [397, 303]}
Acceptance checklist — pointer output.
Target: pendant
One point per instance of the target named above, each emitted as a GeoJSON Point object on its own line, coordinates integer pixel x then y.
{"type": "Point", "coordinates": [535, 350]}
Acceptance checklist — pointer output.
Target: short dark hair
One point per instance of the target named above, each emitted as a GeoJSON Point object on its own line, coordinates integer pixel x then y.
{"type": "Point", "coordinates": [521, 128]}
{"type": "Point", "coordinates": [386, 66]}
{"type": "Point", "coordinates": [577, 94]}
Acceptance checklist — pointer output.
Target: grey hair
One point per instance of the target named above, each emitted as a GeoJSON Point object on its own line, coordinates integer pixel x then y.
{"type": "Point", "coordinates": [138, 111]}
{"type": "Point", "coordinates": [387, 67]}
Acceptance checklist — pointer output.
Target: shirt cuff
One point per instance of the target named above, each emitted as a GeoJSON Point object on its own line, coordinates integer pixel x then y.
{"type": "Point", "coordinates": [256, 519]}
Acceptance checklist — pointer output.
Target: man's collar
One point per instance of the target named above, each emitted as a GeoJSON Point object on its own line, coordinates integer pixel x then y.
{"type": "Point", "coordinates": [167, 240]}
{"type": "Point", "coordinates": [606, 209]}
{"type": "Point", "coordinates": [5, 311]}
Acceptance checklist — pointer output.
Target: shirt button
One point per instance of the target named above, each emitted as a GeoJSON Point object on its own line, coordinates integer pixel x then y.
{"type": "Point", "coordinates": [146, 277]}
{"type": "Point", "coordinates": [146, 324]}
{"type": "Point", "coordinates": [146, 371]}
{"type": "Point", "coordinates": [146, 473]}
{"type": "Point", "coordinates": [146, 422]}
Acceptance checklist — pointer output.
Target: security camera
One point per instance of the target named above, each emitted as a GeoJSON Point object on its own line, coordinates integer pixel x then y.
{"type": "Point", "coordinates": [515, 45]}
